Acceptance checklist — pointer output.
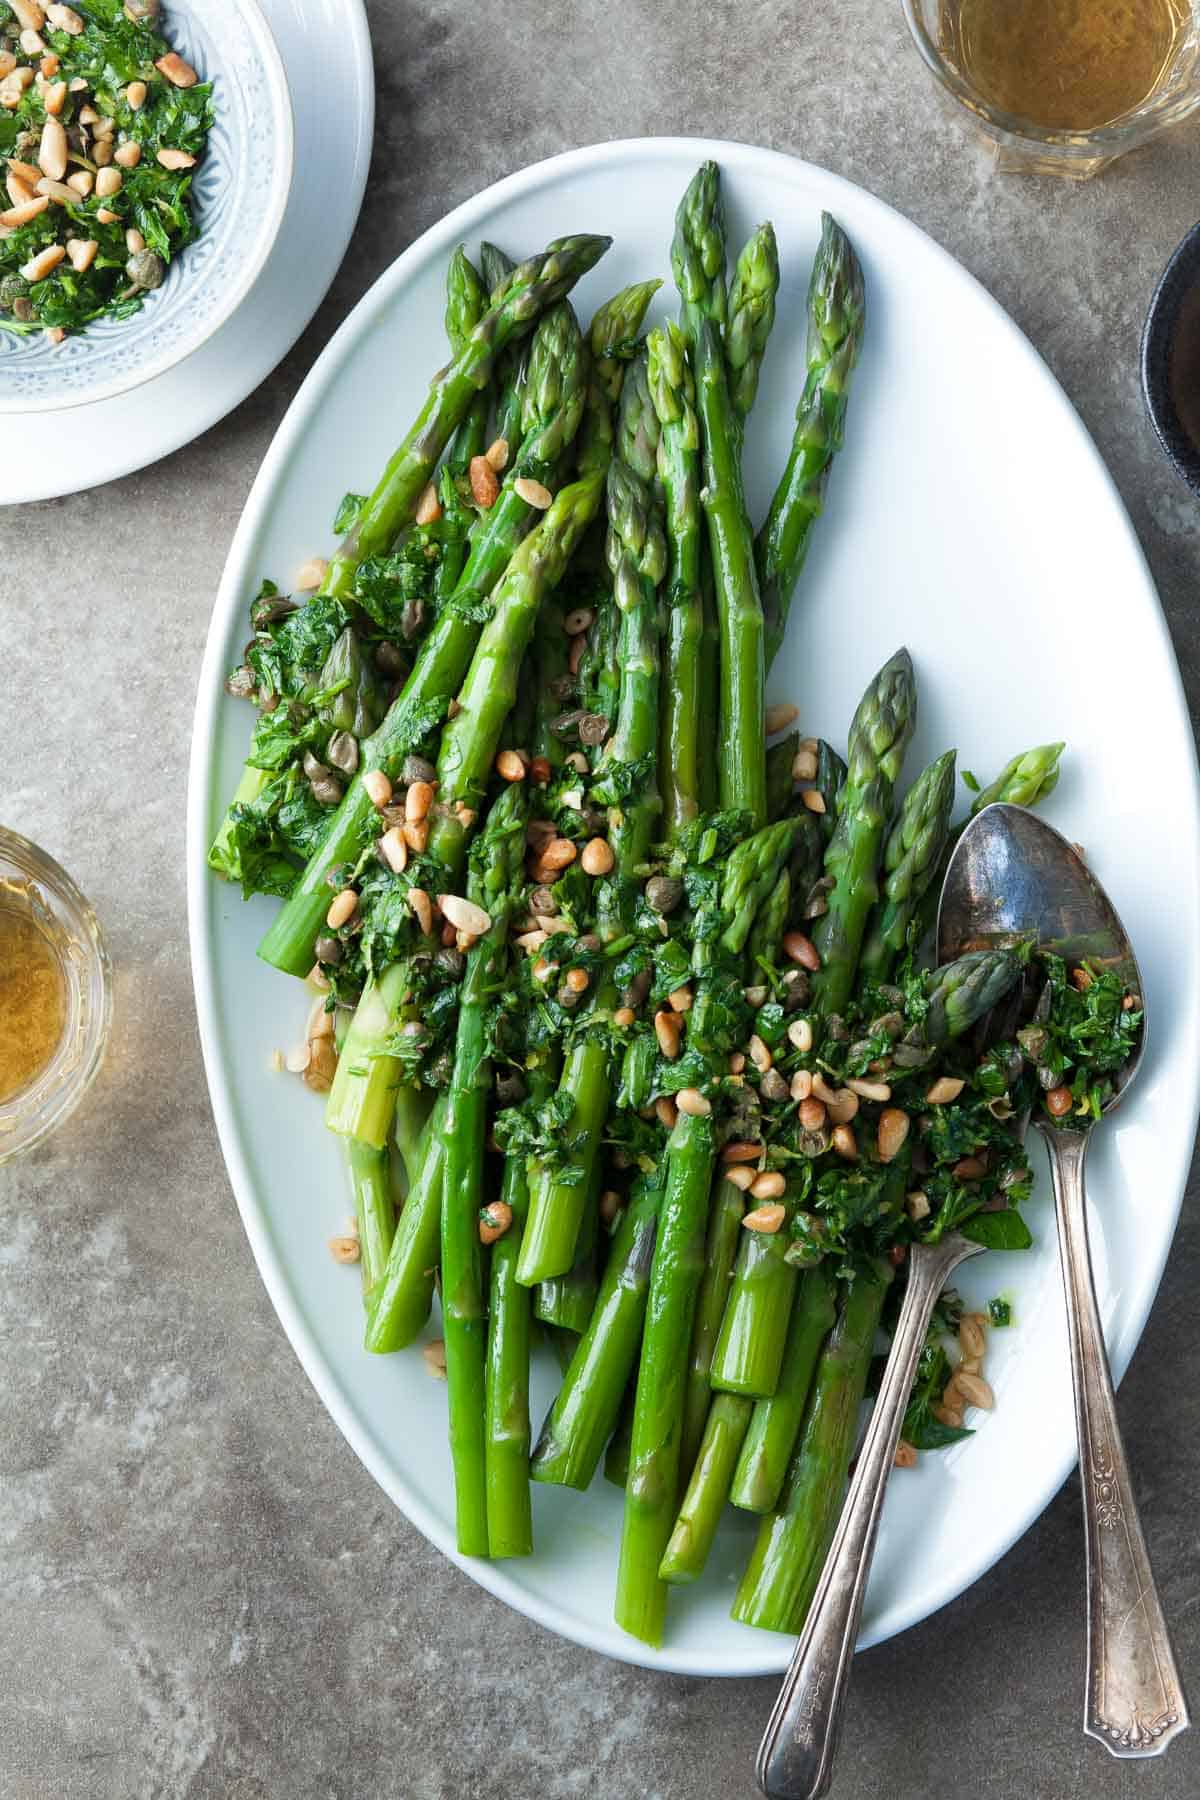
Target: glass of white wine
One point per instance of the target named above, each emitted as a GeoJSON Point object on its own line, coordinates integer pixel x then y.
{"type": "Point", "coordinates": [1063, 87]}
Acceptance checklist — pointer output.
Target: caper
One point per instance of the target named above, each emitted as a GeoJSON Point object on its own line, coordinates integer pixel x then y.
{"type": "Point", "coordinates": [241, 683]}
{"type": "Point", "coordinates": [416, 768]}
{"type": "Point", "coordinates": [566, 725]}
{"type": "Point", "coordinates": [313, 767]}
{"type": "Point", "coordinates": [146, 270]}
{"type": "Point", "coordinates": [327, 790]}
{"type": "Point", "coordinates": [663, 893]}
{"type": "Point", "coordinates": [268, 699]}
{"type": "Point", "coordinates": [796, 992]}
{"type": "Point", "coordinates": [837, 1028]}
{"type": "Point", "coordinates": [593, 728]}
{"type": "Point", "coordinates": [773, 1086]}
{"type": "Point", "coordinates": [441, 1069]}
{"type": "Point", "coordinates": [451, 962]}
{"type": "Point", "coordinates": [390, 658]}
{"type": "Point", "coordinates": [269, 609]}
{"type": "Point", "coordinates": [138, 10]}
{"type": "Point", "coordinates": [342, 751]}
{"type": "Point", "coordinates": [542, 901]}
{"type": "Point", "coordinates": [813, 1143]}
{"type": "Point", "coordinates": [637, 990]}
{"type": "Point", "coordinates": [1048, 1078]}
{"type": "Point", "coordinates": [12, 288]}
{"type": "Point", "coordinates": [412, 618]}
{"type": "Point", "coordinates": [329, 950]}
{"type": "Point", "coordinates": [509, 1087]}
{"type": "Point", "coordinates": [891, 1024]}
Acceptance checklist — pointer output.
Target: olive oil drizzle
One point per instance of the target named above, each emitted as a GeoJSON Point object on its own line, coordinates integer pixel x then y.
{"type": "Point", "coordinates": [32, 1001]}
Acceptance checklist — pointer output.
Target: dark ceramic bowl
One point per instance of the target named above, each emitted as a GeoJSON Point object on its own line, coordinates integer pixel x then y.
{"type": "Point", "coordinates": [1172, 330]}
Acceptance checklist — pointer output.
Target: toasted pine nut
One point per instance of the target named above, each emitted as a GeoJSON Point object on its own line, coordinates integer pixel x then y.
{"type": "Point", "coordinates": [801, 950]}
{"type": "Point", "coordinates": [429, 507]}
{"type": "Point", "coordinates": [804, 765]}
{"type": "Point", "coordinates": [81, 182]}
{"type": "Point", "coordinates": [102, 152]}
{"type": "Point", "coordinates": [177, 72]}
{"type": "Point", "coordinates": [174, 159]}
{"type": "Point", "coordinates": [395, 850]}
{"type": "Point", "coordinates": [582, 618]}
{"type": "Point", "coordinates": [760, 1056]}
{"type": "Point", "coordinates": [737, 1062]}
{"type": "Point", "coordinates": [14, 85]}
{"type": "Point", "coordinates": [52, 152]}
{"type": "Point", "coordinates": [345, 1249]}
{"type": "Point", "coordinates": [484, 486]}
{"type": "Point", "coordinates": [32, 43]}
{"type": "Point", "coordinates": [559, 853]}
{"type": "Point", "coordinates": [843, 1141]}
{"type": "Point", "coordinates": [82, 252]}
{"type": "Point", "coordinates": [509, 766]}
{"type": "Point", "coordinates": [906, 1456]}
{"type": "Point", "coordinates": [29, 14]}
{"type": "Point", "coordinates": [54, 97]}
{"type": "Point", "coordinates": [611, 1204]}
{"type": "Point", "coordinates": [416, 835]}
{"type": "Point", "coordinates": [969, 1168]}
{"type": "Point", "coordinates": [58, 190]}
{"type": "Point", "coordinates": [624, 1017]}
{"type": "Point", "coordinates": [128, 155]}
{"type": "Point", "coordinates": [813, 799]}
{"type": "Point", "coordinates": [666, 1112]}
{"type": "Point", "coordinates": [494, 1221]}
{"type": "Point", "coordinates": [974, 1390]}
{"type": "Point", "coordinates": [916, 1205]}
{"type": "Point", "coordinates": [530, 940]}
{"type": "Point", "coordinates": [417, 801]}
{"type": "Point", "coordinates": [578, 761]}
{"type": "Point", "coordinates": [1058, 1101]}
{"type": "Point", "coordinates": [741, 1152]}
{"type": "Point", "coordinates": [667, 1027]}
{"type": "Point", "coordinates": [842, 1106]}
{"type": "Point", "coordinates": [597, 858]}
{"type": "Point", "coordinates": [777, 718]}
{"type": "Point", "coordinates": [298, 1059]}
{"type": "Point", "coordinates": [65, 18]}
{"type": "Point", "coordinates": [578, 981]}
{"type": "Point", "coordinates": [801, 1084]}
{"type": "Point", "coordinates": [43, 263]}
{"type": "Point", "coordinates": [944, 1089]}
{"type": "Point", "coordinates": [971, 1338]}
{"type": "Point", "coordinates": [533, 493]}
{"type": "Point", "coordinates": [108, 182]}
{"type": "Point", "coordinates": [55, 335]}
{"type": "Point", "coordinates": [680, 999]}
{"type": "Point", "coordinates": [341, 909]}
{"type": "Point", "coordinates": [464, 915]}
{"type": "Point", "coordinates": [892, 1130]}
{"type": "Point", "coordinates": [948, 1415]}
{"type": "Point", "coordinates": [769, 1185]}
{"type": "Point", "coordinates": [766, 1219]}
{"type": "Point", "coordinates": [135, 95]}
{"type": "Point", "coordinates": [692, 1101]}
{"type": "Point", "coordinates": [21, 215]}
{"type": "Point", "coordinates": [811, 1114]}
{"type": "Point", "coordinates": [8, 63]}
{"type": "Point", "coordinates": [434, 1356]}
{"type": "Point", "coordinates": [422, 908]}
{"type": "Point", "coordinates": [106, 216]}
{"type": "Point", "coordinates": [869, 1090]}
{"type": "Point", "coordinates": [309, 575]}
{"type": "Point", "coordinates": [740, 1176]}
{"type": "Point", "coordinates": [800, 1034]}
{"type": "Point", "coordinates": [379, 788]}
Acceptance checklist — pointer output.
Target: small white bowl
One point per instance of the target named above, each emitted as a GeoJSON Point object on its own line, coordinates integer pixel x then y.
{"type": "Point", "coordinates": [240, 191]}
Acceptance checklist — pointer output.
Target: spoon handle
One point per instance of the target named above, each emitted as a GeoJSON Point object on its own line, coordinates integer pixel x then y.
{"type": "Point", "coordinates": [795, 1759]}
{"type": "Point", "coordinates": [1134, 1701]}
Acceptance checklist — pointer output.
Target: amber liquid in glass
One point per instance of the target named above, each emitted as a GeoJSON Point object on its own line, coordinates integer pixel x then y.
{"type": "Point", "coordinates": [33, 1001]}
{"type": "Point", "coordinates": [1064, 65]}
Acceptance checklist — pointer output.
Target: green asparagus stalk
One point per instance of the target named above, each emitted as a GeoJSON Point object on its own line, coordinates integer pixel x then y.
{"type": "Point", "coordinates": [612, 335]}
{"type": "Point", "coordinates": [770, 923]}
{"type": "Point", "coordinates": [374, 1209]}
{"type": "Point", "coordinates": [466, 303]}
{"type": "Point", "coordinates": [709, 679]}
{"type": "Point", "coordinates": [777, 1588]}
{"type": "Point", "coordinates": [404, 1296]}
{"type": "Point", "coordinates": [780, 781]}
{"type": "Point", "coordinates": [413, 1107]}
{"type": "Point", "coordinates": [652, 1492]}
{"type": "Point", "coordinates": [775, 1424]}
{"type": "Point", "coordinates": [879, 735]}
{"type": "Point", "coordinates": [707, 1490]}
{"type": "Point", "coordinates": [568, 1300]}
{"type": "Point", "coordinates": [751, 308]}
{"type": "Point", "coordinates": [496, 876]}
{"type": "Point", "coordinates": [911, 858]}
{"type": "Point", "coordinates": [586, 1410]}
{"type": "Point", "coordinates": [557, 1196]}
{"type": "Point", "coordinates": [749, 1349]}
{"type": "Point", "coordinates": [1025, 781]}
{"type": "Point", "coordinates": [682, 724]}
{"type": "Point", "coordinates": [957, 995]}
{"type": "Point", "coordinates": [616, 1457]}
{"type": "Point", "coordinates": [720, 1252]}
{"type": "Point", "coordinates": [835, 327]}
{"type": "Point", "coordinates": [532, 287]}
{"type": "Point", "coordinates": [362, 1097]}
{"type": "Point", "coordinates": [698, 260]}
{"type": "Point", "coordinates": [506, 1407]}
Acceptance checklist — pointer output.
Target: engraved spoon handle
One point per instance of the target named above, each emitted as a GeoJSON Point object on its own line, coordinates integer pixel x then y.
{"type": "Point", "coordinates": [1134, 1701]}
{"type": "Point", "coordinates": [795, 1759]}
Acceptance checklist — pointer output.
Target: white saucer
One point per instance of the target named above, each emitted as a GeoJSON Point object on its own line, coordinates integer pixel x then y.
{"type": "Point", "coordinates": [326, 50]}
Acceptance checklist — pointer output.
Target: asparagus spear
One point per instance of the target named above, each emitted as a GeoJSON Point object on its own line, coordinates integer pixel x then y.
{"type": "Point", "coordinates": [496, 876]}
{"type": "Point", "coordinates": [911, 858]}
{"type": "Point", "coordinates": [616, 1457]}
{"type": "Point", "coordinates": [958, 994]}
{"type": "Point", "coordinates": [588, 1403]}
{"type": "Point", "coordinates": [374, 1209]}
{"type": "Point", "coordinates": [652, 1492]}
{"type": "Point", "coordinates": [879, 735]}
{"type": "Point", "coordinates": [780, 781]}
{"type": "Point", "coordinates": [707, 1490]}
{"type": "Point", "coordinates": [495, 265]}
{"type": "Point", "coordinates": [751, 308]}
{"type": "Point", "coordinates": [1025, 781]}
{"type": "Point", "coordinates": [698, 260]}
{"type": "Point", "coordinates": [777, 1588]}
{"type": "Point", "coordinates": [557, 1195]}
{"type": "Point", "coordinates": [612, 335]}
{"type": "Point", "coordinates": [775, 1423]}
{"type": "Point", "coordinates": [680, 741]}
{"type": "Point", "coordinates": [506, 1388]}
{"type": "Point", "coordinates": [551, 399]}
{"type": "Point", "coordinates": [709, 681]}
{"type": "Point", "coordinates": [531, 288]}
{"type": "Point", "coordinates": [466, 303]}
{"type": "Point", "coordinates": [835, 327]}
{"type": "Point", "coordinates": [404, 1296]}
{"type": "Point", "coordinates": [749, 1349]}
{"type": "Point", "coordinates": [567, 1300]}
{"type": "Point", "coordinates": [720, 1250]}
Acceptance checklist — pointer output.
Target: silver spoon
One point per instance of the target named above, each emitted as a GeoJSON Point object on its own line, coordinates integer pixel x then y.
{"type": "Point", "coordinates": [1013, 876]}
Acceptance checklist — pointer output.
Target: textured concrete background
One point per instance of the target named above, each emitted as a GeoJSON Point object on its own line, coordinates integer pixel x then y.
{"type": "Point", "coordinates": [201, 1592]}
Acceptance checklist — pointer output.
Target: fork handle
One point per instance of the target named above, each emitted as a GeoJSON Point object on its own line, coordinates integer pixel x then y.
{"type": "Point", "coordinates": [795, 1759]}
{"type": "Point", "coordinates": [1134, 1699]}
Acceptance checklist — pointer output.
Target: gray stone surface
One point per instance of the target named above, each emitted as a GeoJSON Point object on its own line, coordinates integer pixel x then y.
{"type": "Point", "coordinates": [201, 1592]}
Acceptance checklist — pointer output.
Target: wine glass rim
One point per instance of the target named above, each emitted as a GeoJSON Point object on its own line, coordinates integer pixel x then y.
{"type": "Point", "coordinates": [1126, 133]}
